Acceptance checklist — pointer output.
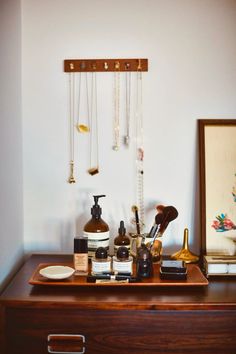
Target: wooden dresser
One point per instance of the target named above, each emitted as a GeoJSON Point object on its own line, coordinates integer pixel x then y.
{"type": "Point", "coordinates": [41, 320]}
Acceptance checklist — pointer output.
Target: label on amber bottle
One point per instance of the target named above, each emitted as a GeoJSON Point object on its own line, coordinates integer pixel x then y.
{"type": "Point", "coordinates": [95, 240]}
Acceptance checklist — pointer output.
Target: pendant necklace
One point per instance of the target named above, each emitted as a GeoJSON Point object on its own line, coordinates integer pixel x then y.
{"type": "Point", "coordinates": [94, 169]}
{"type": "Point", "coordinates": [71, 124]}
{"type": "Point", "coordinates": [116, 122]}
{"type": "Point", "coordinates": [127, 103]}
{"type": "Point", "coordinates": [139, 149]}
{"type": "Point", "coordinates": [83, 128]}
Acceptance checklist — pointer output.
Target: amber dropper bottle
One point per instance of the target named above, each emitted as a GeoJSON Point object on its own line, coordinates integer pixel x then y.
{"type": "Point", "coordinates": [122, 239]}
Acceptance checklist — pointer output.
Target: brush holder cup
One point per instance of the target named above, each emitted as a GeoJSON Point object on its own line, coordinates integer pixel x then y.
{"type": "Point", "coordinates": [135, 242]}
{"type": "Point", "coordinates": [156, 251]}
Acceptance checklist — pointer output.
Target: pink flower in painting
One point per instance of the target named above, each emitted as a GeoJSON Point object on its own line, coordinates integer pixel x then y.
{"type": "Point", "coordinates": [216, 224]}
{"type": "Point", "coordinates": [228, 224]}
{"type": "Point", "coordinates": [223, 223]}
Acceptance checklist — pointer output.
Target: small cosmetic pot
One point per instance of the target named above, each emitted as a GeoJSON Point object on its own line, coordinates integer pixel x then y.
{"type": "Point", "coordinates": [144, 264]}
{"type": "Point", "coordinates": [123, 262]}
{"type": "Point", "coordinates": [101, 263]}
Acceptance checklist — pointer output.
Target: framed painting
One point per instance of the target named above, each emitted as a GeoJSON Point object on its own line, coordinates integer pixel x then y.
{"type": "Point", "coordinates": [217, 158]}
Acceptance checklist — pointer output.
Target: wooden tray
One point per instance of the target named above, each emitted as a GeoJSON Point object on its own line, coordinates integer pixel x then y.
{"type": "Point", "coordinates": [194, 278]}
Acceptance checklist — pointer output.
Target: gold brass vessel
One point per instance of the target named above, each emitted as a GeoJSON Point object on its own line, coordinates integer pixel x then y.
{"type": "Point", "coordinates": [185, 254]}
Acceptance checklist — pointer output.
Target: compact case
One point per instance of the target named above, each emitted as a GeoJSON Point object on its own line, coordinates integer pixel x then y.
{"type": "Point", "coordinates": [173, 270]}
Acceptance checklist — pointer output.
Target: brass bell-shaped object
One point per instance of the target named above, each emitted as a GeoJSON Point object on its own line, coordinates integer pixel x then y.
{"type": "Point", "coordinates": [185, 254]}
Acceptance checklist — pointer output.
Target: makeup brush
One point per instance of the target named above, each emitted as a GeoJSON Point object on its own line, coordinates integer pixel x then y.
{"type": "Point", "coordinates": [169, 214]}
{"type": "Point", "coordinates": [159, 218]}
{"type": "Point", "coordinates": [135, 211]}
{"type": "Point", "coordinates": [160, 208]}
{"type": "Point", "coordinates": [158, 221]}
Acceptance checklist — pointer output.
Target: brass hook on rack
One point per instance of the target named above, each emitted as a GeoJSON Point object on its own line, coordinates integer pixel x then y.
{"type": "Point", "coordinates": [106, 65]}
{"type": "Point", "coordinates": [72, 66]}
{"type": "Point", "coordinates": [117, 65]}
{"type": "Point", "coordinates": [83, 65]}
{"type": "Point", "coordinates": [127, 66]}
{"type": "Point", "coordinates": [139, 68]}
{"type": "Point", "coordinates": [94, 66]}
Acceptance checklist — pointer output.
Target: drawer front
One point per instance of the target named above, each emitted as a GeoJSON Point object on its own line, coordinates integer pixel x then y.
{"type": "Point", "coordinates": [41, 331]}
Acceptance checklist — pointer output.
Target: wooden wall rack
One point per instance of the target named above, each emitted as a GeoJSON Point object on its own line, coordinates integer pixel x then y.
{"type": "Point", "coordinates": [95, 65]}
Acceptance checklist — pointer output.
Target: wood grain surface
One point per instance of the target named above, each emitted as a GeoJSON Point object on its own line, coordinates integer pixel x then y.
{"type": "Point", "coordinates": [143, 319]}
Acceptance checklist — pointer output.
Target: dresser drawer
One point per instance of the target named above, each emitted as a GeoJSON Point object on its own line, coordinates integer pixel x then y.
{"type": "Point", "coordinates": [41, 331]}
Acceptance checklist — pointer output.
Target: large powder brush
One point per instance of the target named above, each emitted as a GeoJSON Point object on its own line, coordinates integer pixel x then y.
{"type": "Point", "coordinates": [163, 218]}
{"type": "Point", "coordinates": [169, 214]}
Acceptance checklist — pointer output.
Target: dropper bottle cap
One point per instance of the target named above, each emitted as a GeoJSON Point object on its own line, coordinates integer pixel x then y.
{"type": "Point", "coordinates": [122, 229]}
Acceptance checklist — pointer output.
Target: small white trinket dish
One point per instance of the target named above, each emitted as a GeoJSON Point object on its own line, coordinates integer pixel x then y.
{"type": "Point", "coordinates": [57, 272]}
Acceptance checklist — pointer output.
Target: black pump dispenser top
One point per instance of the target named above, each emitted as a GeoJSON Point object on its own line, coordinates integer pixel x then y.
{"type": "Point", "coordinates": [96, 210]}
{"type": "Point", "coordinates": [122, 229]}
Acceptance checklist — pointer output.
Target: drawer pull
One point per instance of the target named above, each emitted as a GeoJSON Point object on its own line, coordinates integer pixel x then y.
{"type": "Point", "coordinates": [66, 343]}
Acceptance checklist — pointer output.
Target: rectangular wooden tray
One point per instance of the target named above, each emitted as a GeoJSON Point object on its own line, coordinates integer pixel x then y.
{"type": "Point", "coordinates": [194, 278]}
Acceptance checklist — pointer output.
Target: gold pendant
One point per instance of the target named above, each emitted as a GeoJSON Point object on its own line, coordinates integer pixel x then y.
{"type": "Point", "coordinates": [71, 178]}
{"type": "Point", "coordinates": [115, 147]}
{"type": "Point", "coordinates": [185, 254]}
{"type": "Point", "coordinates": [93, 171]}
{"type": "Point", "coordinates": [82, 128]}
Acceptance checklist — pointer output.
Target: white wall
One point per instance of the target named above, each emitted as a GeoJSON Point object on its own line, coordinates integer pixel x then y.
{"type": "Point", "coordinates": [191, 49]}
{"type": "Point", "coordinates": [11, 205]}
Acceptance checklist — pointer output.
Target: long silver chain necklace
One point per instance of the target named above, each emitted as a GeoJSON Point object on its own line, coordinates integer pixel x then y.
{"type": "Point", "coordinates": [116, 122]}
{"type": "Point", "coordinates": [140, 149]}
{"type": "Point", "coordinates": [71, 123]}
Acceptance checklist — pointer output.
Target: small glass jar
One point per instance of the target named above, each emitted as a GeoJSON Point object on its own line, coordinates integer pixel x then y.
{"type": "Point", "coordinates": [123, 262]}
{"type": "Point", "coordinates": [101, 263]}
{"type": "Point", "coordinates": [144, 264]}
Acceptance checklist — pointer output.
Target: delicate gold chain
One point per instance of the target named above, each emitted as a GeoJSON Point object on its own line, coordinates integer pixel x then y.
{"type": "Point", "coordinates": [94, 144]}
{"type": "Point", "coordinates": [72, 119]}
{"type": "Point", "coordinates": [83, 128]}
{"type": "Point", "coordinates": [116, 122]}
{"type": "Point", "coordinates": [127, 101]}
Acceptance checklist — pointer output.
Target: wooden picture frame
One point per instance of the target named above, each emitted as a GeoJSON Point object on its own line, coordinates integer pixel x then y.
{"type": "Point", "coordinates": [217, 162]}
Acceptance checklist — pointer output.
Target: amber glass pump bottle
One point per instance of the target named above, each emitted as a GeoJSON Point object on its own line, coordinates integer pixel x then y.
{"type": "Point", "coordinates": [96, 229]}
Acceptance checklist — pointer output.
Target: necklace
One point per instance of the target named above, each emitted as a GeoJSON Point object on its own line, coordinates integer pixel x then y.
{"type": "Point", "coordinates": [94, 169]}
{"type": "Point", "coordinates": [71, 124]}
{"type": "Point", "coordinates": [83, 128]}
{"type": "Point", "coordinates": [139, 148]}
{"type": "Point", "coordinates": [116, 123]}
{"type": "Point", "coordinates": [127, 101]}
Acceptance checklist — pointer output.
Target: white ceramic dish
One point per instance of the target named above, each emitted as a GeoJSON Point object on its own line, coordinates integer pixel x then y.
{"type": "Point", "coordinates": [57, 272]}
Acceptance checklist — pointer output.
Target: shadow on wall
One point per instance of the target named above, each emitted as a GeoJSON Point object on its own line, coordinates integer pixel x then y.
{"type": "Point", "coordinates": [10, 270]}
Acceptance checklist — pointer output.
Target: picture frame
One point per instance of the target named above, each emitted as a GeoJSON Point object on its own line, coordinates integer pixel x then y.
{"type": "Point", "coordinates": [217, 164]}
